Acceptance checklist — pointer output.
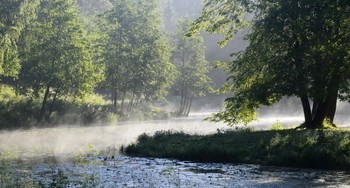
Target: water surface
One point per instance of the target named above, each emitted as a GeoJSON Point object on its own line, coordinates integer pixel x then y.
{"type": "Point", "coordinates": [52, 154]}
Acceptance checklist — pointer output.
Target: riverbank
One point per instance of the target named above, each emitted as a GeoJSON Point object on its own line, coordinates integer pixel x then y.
{"type": "Point", "coordinates": [318, 149]}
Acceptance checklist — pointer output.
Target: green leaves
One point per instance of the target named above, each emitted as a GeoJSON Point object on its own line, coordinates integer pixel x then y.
{"type": "Point", "coordinates": [14, 16]}
{"type": "Point", "coordinates": [220, 16]}
{"type": "Point", "coordinates": [297, 48]}
{"type": "Point", "coordinates": [56, 56]}
{"type": "Point", "coordinates": [137, 55]}
{"type": "Point", "coordinates": [189, 58]}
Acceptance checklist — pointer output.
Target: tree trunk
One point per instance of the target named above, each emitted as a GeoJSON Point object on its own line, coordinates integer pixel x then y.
{"type": "Point", "coordinates": [332, 107]}
{"type": "Point", "coordinates": [131, 102]}
{"type": "Point", "coordinates": [122, 104]}
{"type": "Point", "coordinates": [320, 114]}
{"type": "Point", "coordinates": [53, 102]}
{"type": "Point", "coordinates": [314, 108]}
{"type": "Point", "coordinates": [43, 105]}
{"type": "Point", "coordinates": [115, 98]}
{"type": "Point", "coordinates": [189, 107]}
{"type": "Point", "coordinates": [182, 102]}
{"type": "Point", "coordinates": [307, 111]}
{"type": "Point", "coordinates": [322, 110]}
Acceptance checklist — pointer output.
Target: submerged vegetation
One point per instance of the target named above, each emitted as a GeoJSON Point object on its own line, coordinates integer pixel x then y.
{"type": "Point", "coordinates": [324, 149]}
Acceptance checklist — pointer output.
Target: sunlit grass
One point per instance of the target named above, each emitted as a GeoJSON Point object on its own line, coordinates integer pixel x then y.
{"type": "Point", "coordinates": [327, 149]}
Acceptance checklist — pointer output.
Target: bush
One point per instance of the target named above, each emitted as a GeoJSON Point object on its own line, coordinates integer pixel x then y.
{"type": "Point", "coordinates": [16, 110]}
{"type": "Point", "coordinates": [277, 126]}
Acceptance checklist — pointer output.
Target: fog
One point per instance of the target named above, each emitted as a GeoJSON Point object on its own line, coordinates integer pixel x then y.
{"type": "Point", "coordinates": [67, 141]}
{"type": "Point", "coordinates": [106, 139]}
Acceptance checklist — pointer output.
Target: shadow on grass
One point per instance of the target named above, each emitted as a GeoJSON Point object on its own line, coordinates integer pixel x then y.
{"type": "Point", "coordinates": [320, 149]}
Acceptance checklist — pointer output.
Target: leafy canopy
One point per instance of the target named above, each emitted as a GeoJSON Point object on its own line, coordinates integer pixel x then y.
{"type": "Point", "coordinates": [297, 48]}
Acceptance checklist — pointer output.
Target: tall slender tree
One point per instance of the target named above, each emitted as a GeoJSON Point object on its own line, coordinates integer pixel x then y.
{"type": "Point", "coordinates": [56, 56]}
{"type": "Point", "coordinates": [189, 58]}
{"type": "Point", "coordinates": [137, 56]}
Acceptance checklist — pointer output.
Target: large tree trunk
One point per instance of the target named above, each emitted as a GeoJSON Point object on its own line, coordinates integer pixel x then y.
{"type": "Point", "coordinates": [314, 108]}
{"type": "Point", "coordinates": [322, 110]}
{"type": "Point", "coordinates": [332, 108]}
{"type": "Point", "coordinates": [43, 105]}
{"type": "Point", "coordinates": [320, 114]}
{"type": "Point", "coordinates": [307, 110]}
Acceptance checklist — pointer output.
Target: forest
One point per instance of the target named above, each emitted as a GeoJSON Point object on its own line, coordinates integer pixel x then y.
{"type": "Point", "coordinates": [108, 93]}
{"type": "Point", "coordinates": [86, 61]}
{"type": "Point", "coordinates": [107, 60]}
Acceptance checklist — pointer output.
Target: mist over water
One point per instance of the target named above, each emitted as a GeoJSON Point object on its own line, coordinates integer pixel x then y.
{"type": "Point", "coordinates": [68, 140]}
{"type": "Point", "coordinates": [51, 149]}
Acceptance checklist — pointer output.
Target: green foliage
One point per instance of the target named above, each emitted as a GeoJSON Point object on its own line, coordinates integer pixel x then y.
{"type": "Point", "coordinates": [88, 110]}
{"type": "Point", "coordinates": [277, 126]}
{"type": "Point", "coordinates": [16, 110]}
{"type": "Point", "coordinates": [297, 48]}
{"type": "Point", "coordinates": [220, 16]}
{"type": "Point", "coordinates": [327, 149]}
{"type": "Point", "coordinates": [57, 57]}
{"type": "Point", "coordinates": [148, 112]}
{"type": "Point", "coordinates": [20, 111]}
{"type": "Point", "coordinates": [56, 54]}
{"type": "Point", "coordinates": [14, 16]}
{"type": "Point", "coordinates": [137, 55]}
{"type": "Point", "coordinates": [189, 58]}
{"type": "Point", "coordinates": [91, 8]}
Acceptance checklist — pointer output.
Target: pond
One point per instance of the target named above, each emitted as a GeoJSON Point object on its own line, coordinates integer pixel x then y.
{"type": "Point", "coordinates": [89, 157]}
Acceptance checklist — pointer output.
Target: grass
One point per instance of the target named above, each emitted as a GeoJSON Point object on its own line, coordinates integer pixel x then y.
{"type": "Point", "coordinates": [320, 149]}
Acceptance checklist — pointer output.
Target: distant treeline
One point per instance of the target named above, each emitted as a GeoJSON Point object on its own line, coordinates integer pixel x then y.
{"type": "Point", "coordinates": [67, 61]}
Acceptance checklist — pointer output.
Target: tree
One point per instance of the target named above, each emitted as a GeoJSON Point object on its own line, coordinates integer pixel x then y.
{"type": "Point", "coordinates": [14, 16]}
{"type": "Point", "coordinates": [90, 8]}
{"type": "Point", "coordinates": [137, 55]}
{"type": "Point", "coordinates": [189, 58]}
{"type": "Point", "coordinates": [56, 56]}
{"type": "Point", "coordinates": [297, 48]}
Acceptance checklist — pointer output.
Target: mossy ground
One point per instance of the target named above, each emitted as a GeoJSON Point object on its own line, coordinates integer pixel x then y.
{"type": "Point", "coordinates": [321, 149]}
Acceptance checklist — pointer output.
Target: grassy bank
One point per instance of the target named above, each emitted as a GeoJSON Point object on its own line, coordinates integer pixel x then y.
{"type": "Point", "coordinates": [324, 149]}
